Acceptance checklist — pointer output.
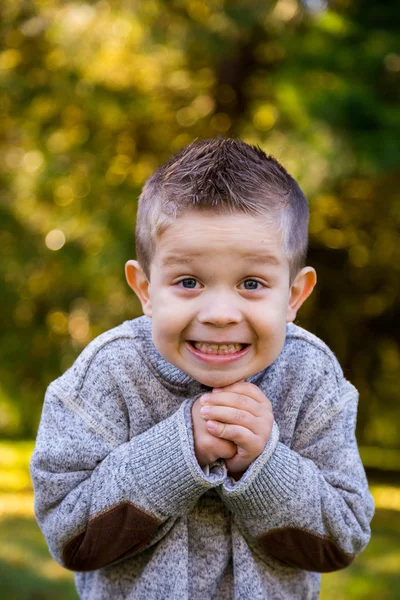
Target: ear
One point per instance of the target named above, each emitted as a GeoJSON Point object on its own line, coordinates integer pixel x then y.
{"type": "Point", "coordinates": [301, 288]}
{"type": "Point", "coordinates": [139, 283]}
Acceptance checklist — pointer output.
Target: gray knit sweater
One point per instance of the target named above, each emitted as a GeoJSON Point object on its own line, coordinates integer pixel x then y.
{"type": "Point", "coordinates": [122, 501]}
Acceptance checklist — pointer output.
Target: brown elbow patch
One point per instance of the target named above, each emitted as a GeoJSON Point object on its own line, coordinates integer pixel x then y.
{"type": "Point", "coordinates": [112, 535]}
{"type": "Point", "coordinates": [304, 550]}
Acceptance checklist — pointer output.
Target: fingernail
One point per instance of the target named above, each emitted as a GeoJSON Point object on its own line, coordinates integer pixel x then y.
{"type": "Point", "coordinates": [205, 399]}
{"type": "Point", "coordinates": [205, 410]}
{"type": "Point", "coordinates": [211, 425]}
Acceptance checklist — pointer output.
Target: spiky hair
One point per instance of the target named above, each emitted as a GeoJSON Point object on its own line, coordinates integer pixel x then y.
{"type": "Point", "coordinates": [225, 176]}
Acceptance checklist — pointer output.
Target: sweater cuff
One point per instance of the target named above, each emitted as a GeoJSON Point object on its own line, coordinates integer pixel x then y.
{"type": "Point", "coordinates": [165, 465]}
{"type": "Point", "coordinates": [267, 481]}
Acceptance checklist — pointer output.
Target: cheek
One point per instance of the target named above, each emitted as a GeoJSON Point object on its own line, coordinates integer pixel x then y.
{"type": "Point", "coordinates": [172, 310]}
{"type": "Point", "coordinates": [271, 327]}
{"type": "Point", "coordinates": [163, 340]}
{"type": "Point", "coordinates": [168, 324]}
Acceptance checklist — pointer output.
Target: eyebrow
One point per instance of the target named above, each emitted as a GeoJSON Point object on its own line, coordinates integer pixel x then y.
{"type": "Point", "coordinates": [264, 258]}
{"type": "Point", "coordinates": [173, 259]}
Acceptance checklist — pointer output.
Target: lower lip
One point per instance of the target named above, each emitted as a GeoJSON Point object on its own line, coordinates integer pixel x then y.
{"type": "Point", "coordinates": [217, 358]}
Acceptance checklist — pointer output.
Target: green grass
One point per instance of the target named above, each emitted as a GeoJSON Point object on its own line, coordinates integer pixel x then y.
{"type": "Point", "coordinates": [375, 574]}
{"type": "Point", "coordinates": [28, 572]}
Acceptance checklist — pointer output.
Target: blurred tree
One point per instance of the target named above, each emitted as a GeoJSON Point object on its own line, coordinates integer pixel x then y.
{"type": "Point", "coordinates": [94, 96]}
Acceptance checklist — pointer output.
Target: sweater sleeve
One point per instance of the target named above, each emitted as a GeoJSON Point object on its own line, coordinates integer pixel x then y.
{"type": "Point", "coordinates": [100, 496]}
{"type": "Point", "coordinates": [308, 506]}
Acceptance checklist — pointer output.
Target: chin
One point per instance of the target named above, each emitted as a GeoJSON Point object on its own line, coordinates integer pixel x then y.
{"type": "Point", "coordinates": [218, 380]}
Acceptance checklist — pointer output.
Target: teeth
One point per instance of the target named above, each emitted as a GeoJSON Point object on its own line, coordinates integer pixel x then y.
{"type": "Point", "coordinates": [218, 348]}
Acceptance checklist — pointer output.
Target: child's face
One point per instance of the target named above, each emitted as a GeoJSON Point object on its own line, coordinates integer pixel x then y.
{"type": "Point", "coordinates": [219, 295]}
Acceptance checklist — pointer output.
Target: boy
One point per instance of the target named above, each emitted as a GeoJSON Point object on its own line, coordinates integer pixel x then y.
{"type": "Point", "coordinates": [206, 449]}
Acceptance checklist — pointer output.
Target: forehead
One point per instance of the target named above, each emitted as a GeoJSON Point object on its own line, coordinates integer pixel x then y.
{"type": "Point", "coordinates": [208, 235]}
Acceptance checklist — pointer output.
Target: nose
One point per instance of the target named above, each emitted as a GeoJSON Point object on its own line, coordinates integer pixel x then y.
{"type": "Point", "coordinates": [219, 310]}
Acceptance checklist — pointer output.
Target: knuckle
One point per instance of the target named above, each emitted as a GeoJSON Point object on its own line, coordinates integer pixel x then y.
{"type": "Point", "coordinates": [269, 420]}
{"type": "Point", "coordinates": [251, 389]}
{"type": "Point", "coordinates": [226, 447]}
{"type": "Point", "coordinates": [243, 401]}
{"type": "Point", "coordinates": [223, 431]}
{"type": "Point", "coordinates": [238, 433]}
{"type": "Point", "coordinates": [240, 416]}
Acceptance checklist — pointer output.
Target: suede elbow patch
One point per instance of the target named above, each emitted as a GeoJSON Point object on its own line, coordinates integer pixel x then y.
{"type": "Point", "coordinates": [112, 535]}
{"type": "Point", "coordinates": [302, 549]}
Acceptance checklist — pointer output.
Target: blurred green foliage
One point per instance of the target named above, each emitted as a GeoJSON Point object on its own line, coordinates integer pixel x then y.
{"type": "Point", "coordinates": [94, 96]}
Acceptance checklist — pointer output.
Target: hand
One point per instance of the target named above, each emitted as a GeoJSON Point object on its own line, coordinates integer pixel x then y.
{"type": "Point", "coordinates": [242, 414]}
{"type": "Point", "coordinates": [207, 447]}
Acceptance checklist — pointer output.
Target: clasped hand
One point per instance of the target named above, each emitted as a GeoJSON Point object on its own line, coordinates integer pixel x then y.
{"type": "Point", "coordinates": [233, 423]}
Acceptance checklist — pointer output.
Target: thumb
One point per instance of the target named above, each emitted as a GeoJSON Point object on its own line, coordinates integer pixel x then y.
{"type": "Point", "coordinates": [235, 464]}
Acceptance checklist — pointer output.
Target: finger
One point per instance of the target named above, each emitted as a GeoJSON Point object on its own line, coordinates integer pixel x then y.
{"type": "Point", "coordinates": [233, 416]}
{"type": "Point", "coordinates": [239, 401]}
{"type": "Point", "coordinates": [245, 388]}
{"type": "Point", "coordinates": [237, 464]}
{"type": "Point", "coordinates": [241, 436]}
{"type": "Point", "coordinates": [224, 448]}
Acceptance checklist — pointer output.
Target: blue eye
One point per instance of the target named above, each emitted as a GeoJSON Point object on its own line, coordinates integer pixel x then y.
{"type": "Point", "coordinates": [251, 284]}
{"type": "Point", "coordinates": [188, 283]}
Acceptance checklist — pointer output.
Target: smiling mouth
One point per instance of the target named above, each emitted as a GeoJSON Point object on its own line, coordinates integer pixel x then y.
{"type": "Point", "coordinates": [209, 348]}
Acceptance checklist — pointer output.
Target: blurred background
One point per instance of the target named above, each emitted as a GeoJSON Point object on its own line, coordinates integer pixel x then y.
{"type": "Point", "coordinates": [93, 97]}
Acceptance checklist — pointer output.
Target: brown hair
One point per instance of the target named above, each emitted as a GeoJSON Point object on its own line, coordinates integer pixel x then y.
{"type": "Point", "coordinates": [226, 176]}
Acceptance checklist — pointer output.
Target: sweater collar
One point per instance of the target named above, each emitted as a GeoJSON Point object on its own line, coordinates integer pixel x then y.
{"type": "Point", "coordinates": [168, 374]}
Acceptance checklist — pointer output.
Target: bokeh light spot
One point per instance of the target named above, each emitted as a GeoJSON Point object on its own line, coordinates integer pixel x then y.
{"type": "Point", "coordinates": [23, 313]}
{"type": "Point", "coordinates": [203, 105]}
{"type": "Point", "coordinates": [57, 321]}
{"type": "Point", "coordinates": [14, 157]}
{"type": "Point", "coordinates": [9, 59]}
{"type": "Point", "coordinates": [186, 116]}
{"type": "Point", "coordinates": [55, 239]}
{"type": "Point", "coordinates": [392, 62]}
{"type": "Point", "coordinates": [221, 122]}
{"type": "Point", "coordinates": [359, 255]}
{"type": "Point", "coordinates": [285, 10]}
{"type": "Point", "coordinates": [78, 326]}
{"type": "Point", "coordinates": [265, 117]}
{"type": "Point", "coordinates": [32, 161]}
